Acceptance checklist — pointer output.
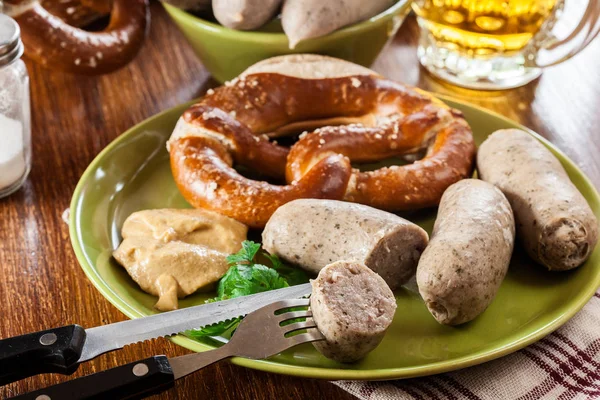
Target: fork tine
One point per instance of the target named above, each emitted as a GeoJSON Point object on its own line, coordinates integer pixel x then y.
{"type": "Point", "coordinates": [283, 304]}
{"type": "Point", "coordinates": [264, 321]}
{"type": "Point", "coordinates": [312, 336]}
{"type": "Point", "coordinates": [309, 323]}
{"type": "Point", "coordinates": [294, 314]}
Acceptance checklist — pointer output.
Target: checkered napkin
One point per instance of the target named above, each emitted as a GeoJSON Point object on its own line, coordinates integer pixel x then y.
{"type": "Point", "coordinates": [563, 365]}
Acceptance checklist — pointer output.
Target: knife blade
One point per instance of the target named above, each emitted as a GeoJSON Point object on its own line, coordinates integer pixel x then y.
{"type": "Point", "coordinates": [61, 350]}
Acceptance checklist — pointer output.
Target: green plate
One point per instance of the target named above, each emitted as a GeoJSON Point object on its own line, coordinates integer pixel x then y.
{"type": "Point", "coordinates": [133, 173]}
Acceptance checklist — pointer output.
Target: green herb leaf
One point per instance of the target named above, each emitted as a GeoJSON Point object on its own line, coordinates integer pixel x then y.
{"type": "Point", "coordinates": [293, 276]}
{"type": "Point", "coordinates": [246, 277]}
{"type": "Point", "coordinates": [276, 262]}
{"type": "Point", "coordinates": [214, 330]}
{"type": "Point", "coordinates": [246, 254]}
{"type": "Point", "coordinates": [242, 280]}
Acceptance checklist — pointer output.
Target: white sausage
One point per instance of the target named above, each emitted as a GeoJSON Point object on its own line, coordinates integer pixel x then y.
{"type": "Point", "coordinates": [244, 14]}
{"type": "Point", "coordinates": [305, 19]}
{"type": "Point", "coordinates": [554, 221]}
{"type": "Point", "coordinates": [467, 258]}
{"type": "Point", "coordinates": [312, 233]}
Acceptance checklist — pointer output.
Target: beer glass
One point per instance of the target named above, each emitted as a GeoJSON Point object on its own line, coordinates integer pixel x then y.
{"type": "Point", "coordinates": [497, 44]}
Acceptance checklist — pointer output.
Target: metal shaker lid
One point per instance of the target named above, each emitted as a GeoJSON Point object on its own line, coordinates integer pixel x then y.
{"type": "Point", "coordinates": [11, 47]}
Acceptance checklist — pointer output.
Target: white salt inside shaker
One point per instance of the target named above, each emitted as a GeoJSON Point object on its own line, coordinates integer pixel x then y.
{"type": "Point", "coordinates": [12, 157]}
{"type": "Point", "coordinates": [15, 124]}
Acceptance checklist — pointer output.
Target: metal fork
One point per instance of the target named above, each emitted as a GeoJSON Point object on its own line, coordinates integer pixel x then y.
{"type": "Point", "coordinates": [261, 334]}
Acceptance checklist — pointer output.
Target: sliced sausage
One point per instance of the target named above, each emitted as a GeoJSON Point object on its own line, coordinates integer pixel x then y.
{"type": "Point", "coordinates": [353, 307]}
{"type": "Point", "coordinates": [554, 221]}
{"type": "Point", "coordinates": [312, 233]}
{"type": "Point", "coordinates": [467, 258]}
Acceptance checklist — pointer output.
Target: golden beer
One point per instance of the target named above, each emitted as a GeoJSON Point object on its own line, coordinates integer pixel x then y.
{"type": "Point", "coordinates": [483, 44]}
{"type": "Point", "coordinates": [484, 27]}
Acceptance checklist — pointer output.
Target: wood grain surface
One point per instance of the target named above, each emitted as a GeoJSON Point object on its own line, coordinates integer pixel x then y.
{"type": "Point", "coordinates": [74, 118]}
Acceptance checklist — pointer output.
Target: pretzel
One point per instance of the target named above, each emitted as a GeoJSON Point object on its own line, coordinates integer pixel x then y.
{"type": "Point", "coordinates": [77, 13]}
{"type": "Point", "coordinates": [53, 43]}
{"type": "Point", "coordinates": [421, 184]}
{"type": "Point", "coordinates": [202, 165]}
{"type": "Point", "coordinates": [376, 119]}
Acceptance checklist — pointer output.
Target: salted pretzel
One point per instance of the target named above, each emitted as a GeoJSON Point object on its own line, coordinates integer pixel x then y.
{"type": "Point", "coordinates": [366, 117]}
{"type": "Point", "coordinates": [448, 158]}
{"type": "Point", "coordinates": [78, 13]}
{"type": "Point", "coordinates": [53, 42]}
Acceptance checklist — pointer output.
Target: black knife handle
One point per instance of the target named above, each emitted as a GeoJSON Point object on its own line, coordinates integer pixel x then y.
{"type": "Point", "coordinates": [54, 350]}
{"type": "Point", "coordinates": [131, 381]}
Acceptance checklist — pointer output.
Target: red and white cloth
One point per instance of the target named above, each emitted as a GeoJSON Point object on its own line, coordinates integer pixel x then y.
{"type": "Point", "coordinates": [564, 365]}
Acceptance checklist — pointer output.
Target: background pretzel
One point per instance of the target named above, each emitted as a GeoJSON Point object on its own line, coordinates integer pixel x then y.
{"type": "Point", "coordinates": [78, 13]}
{"type": "Point", "coordinates": [232, 125]}
{"type": "Point", "coordinates": [53, 43]}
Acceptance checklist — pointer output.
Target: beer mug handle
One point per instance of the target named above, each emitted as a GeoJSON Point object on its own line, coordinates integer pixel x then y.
{"type": "Point", "coordinates": [587, 29]}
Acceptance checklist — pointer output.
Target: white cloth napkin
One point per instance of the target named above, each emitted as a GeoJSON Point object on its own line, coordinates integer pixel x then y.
{"type": "Point", "coordinates": [564, 365]}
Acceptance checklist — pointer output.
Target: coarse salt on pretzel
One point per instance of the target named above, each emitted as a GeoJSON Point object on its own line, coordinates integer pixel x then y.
{"type": "Point", "coordinates": [233, 124]}
{"type": "Point", "coordinates": [449, 158]}
{"type": "Point", "coordinates": [77, 13]}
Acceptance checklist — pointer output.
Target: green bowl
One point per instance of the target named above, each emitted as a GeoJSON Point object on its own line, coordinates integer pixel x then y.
{"type": "Point", "coordinates": [226, 52]}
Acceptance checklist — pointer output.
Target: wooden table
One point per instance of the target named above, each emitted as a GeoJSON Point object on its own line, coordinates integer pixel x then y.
{"type": "Point", "coordinates": [41, 283]}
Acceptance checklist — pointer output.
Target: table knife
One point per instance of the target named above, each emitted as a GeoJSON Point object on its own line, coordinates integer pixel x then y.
{"type": "Point", "coordinates": [153, 375]}
{"type": "Point", "coordinates": [61, 350]}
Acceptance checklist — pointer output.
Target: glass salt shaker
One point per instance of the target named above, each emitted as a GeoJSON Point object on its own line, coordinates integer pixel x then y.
{"type": "Point", "coordinates": [15, 118]}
